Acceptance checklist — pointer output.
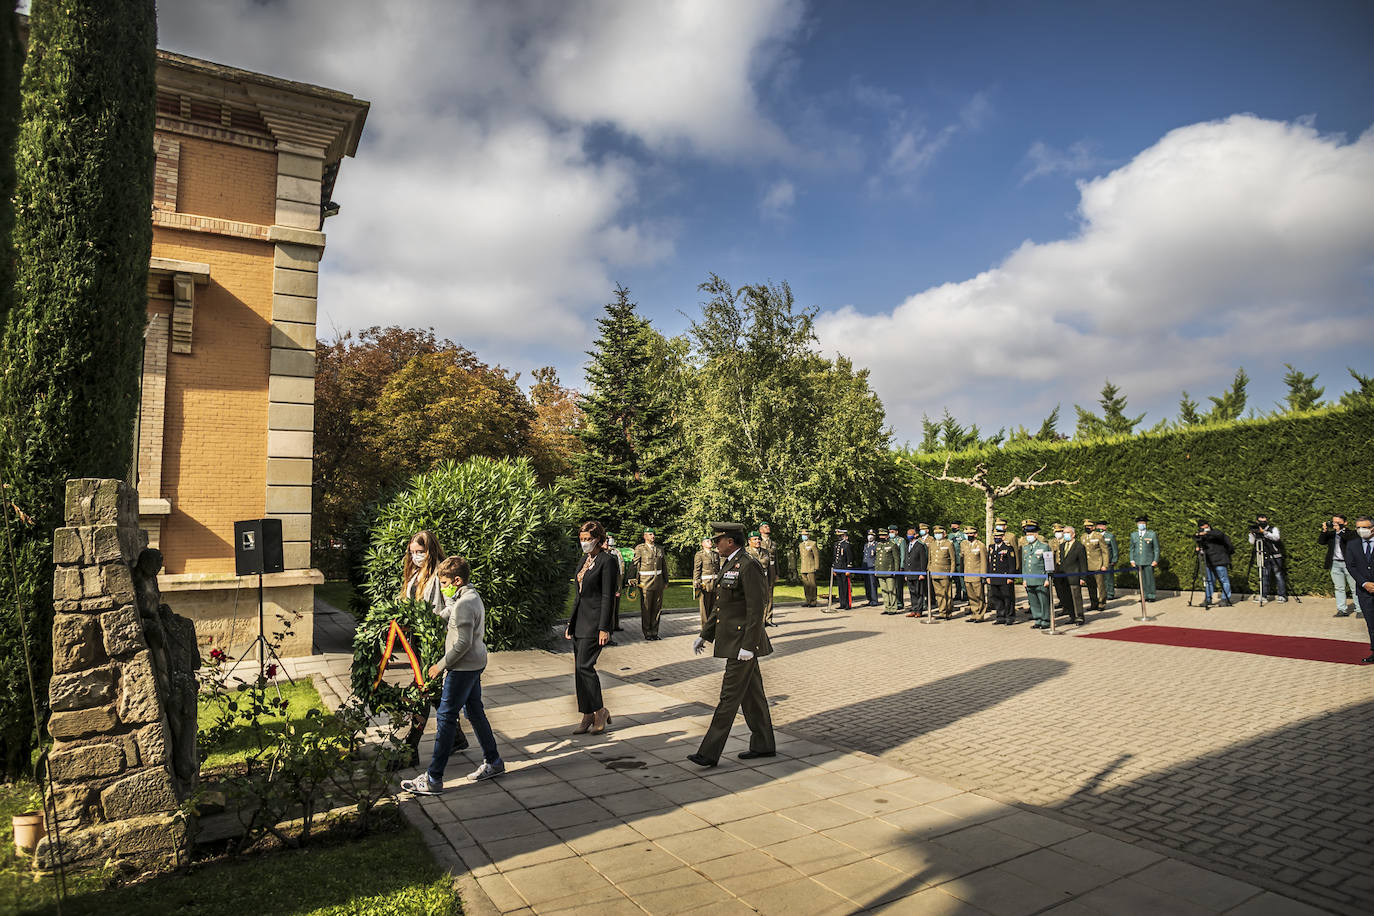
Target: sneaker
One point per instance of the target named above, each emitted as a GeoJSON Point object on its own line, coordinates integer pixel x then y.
{"type": "Point", "coordinates": [423, 785]}
{"type": "Point", "coordinates": [1281, 599]}
{"type": "Point", "coordinates": [487, 771]}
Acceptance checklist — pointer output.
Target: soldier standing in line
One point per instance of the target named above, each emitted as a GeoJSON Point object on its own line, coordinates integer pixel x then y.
{"type": "Point", "coordinates": [1109, 580]}
{"type": "Point", "coordinates": [843, 559]}
{"type": "Point", "coordinates": [651, 571]}
{"type": "Point", "coordinates": [1099, 558]}
{"type": "Point", "coordinates": [957, 537]}
{"type": "Point", "coordinates": [975, 556]}
{"type": "Point", "coordinates": [1033, 556]}
{"type": "Point", "coordinates": [1145, 555]}
{"type": "Point", "coordinates": [619, 584]}
{"type": "Point", "coordinates": [894, 537]}
{"type": "Point", "coordinates": [705, 571]}
{"type": "Point", "coordinates": [886, 561]}
{"type": "Point", "coordinates": [765, 561]}
{"type": "Point", "coordinates": [917, 561]}
{"type": "Point", "coordinates": [808, 564]}
{"type": "Point", "coordinates": [942, 560]}
{"type": "Point", "coordinates": [1002, 592]}
{"type": "Point", "coordinates": [1057, 593]}
{"type": "Point", "coordinates": [736, 629]}
{"type": "Point", "coordinates": [870, 557]}
{"type": "Point", "coordinates": [774, 567]}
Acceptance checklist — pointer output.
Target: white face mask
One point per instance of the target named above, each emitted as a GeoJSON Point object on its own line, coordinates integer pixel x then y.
{"type": "Point", "coordinates": [871, 539]}
{"type": "Point", "coordinates": [1140, 526]}
{"type": "Point", "coordinates": [939, 536]}
{"type": "Point", "coordinates": [418, 557]}
{"type": "Point", "coordinates": [924, 533]}
{"type": "Point", "coordinates": [805, 537]}
{"type": "Point", "coordinates": [1366, 533]}
{"type": "Point", "coordinates": [586, 546]}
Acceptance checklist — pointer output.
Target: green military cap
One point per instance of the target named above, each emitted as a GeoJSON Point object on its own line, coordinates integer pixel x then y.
{"type": "Point", "coordinates": [892, 528]}
{"type": "Point", "coordinates": [1146, 518]}
{"type": "Point", "coordinates": [754, 534]}
{"type": "Point", "coordinates": [727, 529]}
{"type": "Point", "coordinates": [650, 531]}
{"type": "Point", "coordinates": [939, 529]}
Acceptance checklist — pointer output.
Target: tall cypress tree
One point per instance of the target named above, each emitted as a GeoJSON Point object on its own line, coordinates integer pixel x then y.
{"type": "Point", "coordinates": [627, 472]}
{"type": "Point", "coordinates": [72, 342]}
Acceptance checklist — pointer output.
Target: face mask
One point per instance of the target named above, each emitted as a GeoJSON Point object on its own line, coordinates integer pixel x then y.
{"type": "Point", "coordinates": [939, 536]}
{"type": "Point", "coordinates": [806, 537]}
{"type": "Point", "coordinates": [586, 546]}
{"type": "Point", "coordinates": [1140, 526]}
{"type": "Point", "coordinates": [449, 591]}
{"type": "Point", "coordinates": [418, 557]}
{"type": "Point", "coordinates": [1366, 533]}
{"type": "Point", "coordinates": [871, 539]}
{"type": "Point", "coordinates": [925, 533]}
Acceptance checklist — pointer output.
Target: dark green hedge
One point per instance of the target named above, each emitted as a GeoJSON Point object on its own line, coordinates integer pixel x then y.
{"type": "Point", "coordinates": [1300, 469]}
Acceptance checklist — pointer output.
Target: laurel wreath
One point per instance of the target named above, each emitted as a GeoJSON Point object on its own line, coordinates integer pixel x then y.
{"type": "Point", "coordinates": [424, 630]}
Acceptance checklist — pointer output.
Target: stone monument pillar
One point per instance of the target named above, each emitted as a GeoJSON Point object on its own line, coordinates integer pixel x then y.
{"type": "Point", "coordinates": [123, 691]}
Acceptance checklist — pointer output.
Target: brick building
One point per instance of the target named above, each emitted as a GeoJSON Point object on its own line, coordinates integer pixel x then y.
{"type": "Point", "coordinates": [246, 166]}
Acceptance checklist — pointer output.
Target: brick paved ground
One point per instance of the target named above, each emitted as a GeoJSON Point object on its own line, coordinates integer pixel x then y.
{"type": "Point", "coordinates": [1246, 763]}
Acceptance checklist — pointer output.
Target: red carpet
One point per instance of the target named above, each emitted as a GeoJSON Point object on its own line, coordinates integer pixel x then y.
{"type": "Point", "coordinates": [1306, 648]}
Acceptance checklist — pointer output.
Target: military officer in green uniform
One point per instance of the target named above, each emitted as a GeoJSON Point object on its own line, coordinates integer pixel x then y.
{"type": "Point", "coordinates": [765, 559]}
{"type": "Point", "coordinates": [957, 537]}
{"type": "Point", "coordinates": [1099, 559]}
{"type": "Point", "coordinates": [886, 561]}
{"type": "Point", "coordinates": [975, 555]}
{"type": "Point", "coordinates": [1033, 554]}
{"type": "Point", "coordinates": [1145, 555]}
{"type": "Point", "coordinates": [894, 536]}
{"type": "Point", "coordinates": [808, 564]}
{"type": "Point", "coordinates": [735, 628]}
{"type": "Point", "coordinates": [942, 554]}
{"type": "Point", "coordinates": [1109, 580]}
{"type": "Point", "coordinates": [652, 573]}
{"type": "Point", "coordinates": [774, 566]}
{"type": "Point", "coordinates": [705, 572]}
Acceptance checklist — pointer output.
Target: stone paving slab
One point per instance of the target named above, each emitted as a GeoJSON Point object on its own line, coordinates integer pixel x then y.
{"type": "Point", "coordinates": [622, 823]}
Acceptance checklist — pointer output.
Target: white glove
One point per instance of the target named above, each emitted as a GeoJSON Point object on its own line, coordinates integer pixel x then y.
{"type": "Point", "coordinates": [745, 655]}
{"type": "Point", "coordinates": [697, 645]}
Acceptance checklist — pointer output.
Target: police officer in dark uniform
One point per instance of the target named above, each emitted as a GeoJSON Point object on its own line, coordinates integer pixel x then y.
{"type": "Point", "coordinates": [736, 628]}
{"type": "Point", "coordinates": [1002, 558]}
{"type": "Point", "coordinates": [843, 559]}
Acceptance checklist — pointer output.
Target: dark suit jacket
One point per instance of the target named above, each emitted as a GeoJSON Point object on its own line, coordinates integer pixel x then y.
{"type": "Point", "coordinates": [917, 560]}
{"type": "Point", "coordinates": [1074, 559]}
{"type": "Point", "coordinates": [1362, 571]}
{"type": "Point", "coordinates": [596, 598]}
{"type": "Point", "coordinates": [1329, 539]}
{"type": "Point", "coordinates": [737, 620]}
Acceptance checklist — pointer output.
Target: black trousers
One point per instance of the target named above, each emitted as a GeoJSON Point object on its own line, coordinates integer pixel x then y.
{"type": "Point", "coordinates": [741, 689]}
{"type": "Point", "coordinates": [1070, 596]}
{"type": "Point", "coordinates": [916, 589]}
{"type": "Point", "coordinates": [1002, 598]}
{"type": "Point", "coordinates": [585, 653]}
{"type": "Point", "coordinates": [1093, 603]}
{"type": "Point", "coordinates": [871, 587]}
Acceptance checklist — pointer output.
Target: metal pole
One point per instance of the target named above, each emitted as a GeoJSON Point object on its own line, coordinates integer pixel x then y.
{"type": "Point", "coordinates": [1140, 583]}
{"type": "Point", "coordinates": [829, 590]}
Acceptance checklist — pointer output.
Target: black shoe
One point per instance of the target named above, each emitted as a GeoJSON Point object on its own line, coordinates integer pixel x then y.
{"type": "Point", "coordinates": [752, 755]}
{"type": "Point", "coordinates": [612, 642]}
{"type": "Point", "coordinates": [617, 629]}
{"type": "Point", "coordinates": [1369, 661]}
{"type": "Point", "coordinates": [701, 761]}
{"type": "Point", "coordinates": [1341, 614]}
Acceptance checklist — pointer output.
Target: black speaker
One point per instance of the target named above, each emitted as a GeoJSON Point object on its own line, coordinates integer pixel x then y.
{"type": "Point", "coordinates": [257, 547]}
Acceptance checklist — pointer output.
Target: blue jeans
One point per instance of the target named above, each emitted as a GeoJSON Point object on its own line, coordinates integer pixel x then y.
{"type": "Point", "coordinates": [1339, 577]}
{"type": "Point", "coordinates": [462, 690]}
{"type": "Point", "coordinates": [1224, 577]}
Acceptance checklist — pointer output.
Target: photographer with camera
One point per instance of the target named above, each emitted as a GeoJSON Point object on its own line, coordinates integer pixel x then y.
{"type": "Point", "coordinates": [1264, 539]}
{"type": "Point", "coordinates": [1214, 551]}
{"type": "Point", "coordinates": [1336, 538]}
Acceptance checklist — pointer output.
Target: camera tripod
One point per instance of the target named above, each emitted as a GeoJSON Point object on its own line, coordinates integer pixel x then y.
{"type": "Point", "coordinates": [1259, 559]}
{"type": "Point", "coordinates": [1199, 558]}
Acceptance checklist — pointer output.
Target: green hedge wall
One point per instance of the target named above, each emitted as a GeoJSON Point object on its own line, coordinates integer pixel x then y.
{"type": "Point", "coordinates": [1300, 469]}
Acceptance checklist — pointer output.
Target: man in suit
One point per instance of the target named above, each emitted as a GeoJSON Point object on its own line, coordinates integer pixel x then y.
{"type": "Point", "coordinates": [736, 630]}
{"type": "Point", "coordinates": [705, 572]}
{"type": "Point", "coordinates": [843, 559]}
{"type": "Point", "coordinates": [1359, 557]}
{"type": "Point", "coordinates": [809, 564]}
{"type": "Point", "coordinates": [1335, 537]}
{"type": "Point", "coordinates": [1073, 560]}
{"type": "Point", "coordinates": [1145, 555]}
{"type": "Point", "coordinates": [917, 560]}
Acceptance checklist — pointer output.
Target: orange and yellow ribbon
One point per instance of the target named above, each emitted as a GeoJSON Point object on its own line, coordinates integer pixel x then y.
{"type": "Point", "coordinates": [393, 633]}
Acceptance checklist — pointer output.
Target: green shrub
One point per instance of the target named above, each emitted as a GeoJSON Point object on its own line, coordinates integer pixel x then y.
{"type": "Point", "coordinates": [1298, 468]}
{"type": "Point", "coordinates": [517, 535]}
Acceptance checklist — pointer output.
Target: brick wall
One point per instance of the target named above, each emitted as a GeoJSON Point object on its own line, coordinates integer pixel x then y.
{"type": "Point", "coordinates": [215, 425]}
{"type": "Point", "coordinates": [227, 182]}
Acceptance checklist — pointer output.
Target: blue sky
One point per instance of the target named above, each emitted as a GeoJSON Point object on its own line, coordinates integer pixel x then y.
{"type": "Point", "coordinates": [994, 205]}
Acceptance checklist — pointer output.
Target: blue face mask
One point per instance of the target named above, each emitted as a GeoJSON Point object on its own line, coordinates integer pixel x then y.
{"type": "Point", "coordinates": [805, 537]}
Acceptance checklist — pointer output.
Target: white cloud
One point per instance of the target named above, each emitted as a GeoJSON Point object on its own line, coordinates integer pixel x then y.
{"type": "Point", "coordinates": [914, 147]}
{"type": "Point", "coordinates": [778, 200]}
{"type": "Point", "coordinates": [1235, 241]}
{"type": "Point", "coordinates": [477, 203]}
{"type": "Point", "coordinates": [1080, 158]}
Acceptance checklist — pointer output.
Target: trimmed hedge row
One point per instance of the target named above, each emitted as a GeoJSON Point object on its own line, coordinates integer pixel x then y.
{"type": "Point", "coordinates": [1300, 469]}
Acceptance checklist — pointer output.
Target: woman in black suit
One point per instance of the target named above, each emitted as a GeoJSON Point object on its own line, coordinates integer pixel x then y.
{"type": "Point", "coordinates": [589, 627]}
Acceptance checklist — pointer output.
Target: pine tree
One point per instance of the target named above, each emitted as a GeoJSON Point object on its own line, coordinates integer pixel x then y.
{"type": "Point", "coordinates": [1303, 393]}
{"type": "Point", "coordinates": [627, 469]}
{"type": "Point", "coordinates": [1187, 411]}
{"type": "Point", "coordinates": [1113, 421]}
{"type": "Point", "coordinates": [1363, 393]}
{"type": "Point", "coordinates": [1231, 404]}
{"type": "Point", "coordinates": [73, 340]}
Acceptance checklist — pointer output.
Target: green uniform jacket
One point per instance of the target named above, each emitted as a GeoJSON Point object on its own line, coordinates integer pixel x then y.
{"type": "Point", "coordinates": [1112, 555]}
{"type": "Point", "coordinates": [1033, 561]}
{"type": "Point", "coordinates": [1099, 553]}
{"type": "Point", "coordinates": [900, 544]}
{"type": "Point", "coordinates": [737, 620]}
{"type": "Point", "coordinates": [705, 564]}
{"type": "Point", "coordinates": [975, 556]}
{"type": "Point", "coordinates": [942, 555]}
{"type": "Point", "coordinates": [888, 557]}
{"type": "Point", "coordinates": [648, 558]}
{"type": "Point", "coordinates": [772, 548]}
{"type": "Point", "coordinates": [1144, 547]}
{"type": "Point", "coordinates": [764, 558]}
{"type": "Point", "coordinates": [810, 557]}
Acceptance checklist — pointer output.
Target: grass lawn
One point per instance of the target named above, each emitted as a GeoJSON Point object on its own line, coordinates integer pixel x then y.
{"type": "Point", "coordinates": [388, 873]}
{"type": "Point", "coordinates": [302, 697]}
{"type": "Point", "coordinates": [336, 592]}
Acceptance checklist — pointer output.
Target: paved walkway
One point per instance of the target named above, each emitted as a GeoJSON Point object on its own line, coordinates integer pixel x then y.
{"type": "Point", "coordinates": [922, 768]}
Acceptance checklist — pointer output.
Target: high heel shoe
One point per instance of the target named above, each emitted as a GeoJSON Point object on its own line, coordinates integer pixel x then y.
{"type": "Point", "coordinates": [600, 725]}
{"type": "Point", "coordinates": [585, 724]}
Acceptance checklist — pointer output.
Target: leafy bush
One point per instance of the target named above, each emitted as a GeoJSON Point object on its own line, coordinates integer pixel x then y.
{"type": "Point", "coordinates": [516, 534]}
{"type": "Point", "coordinates": [1298, 468]}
